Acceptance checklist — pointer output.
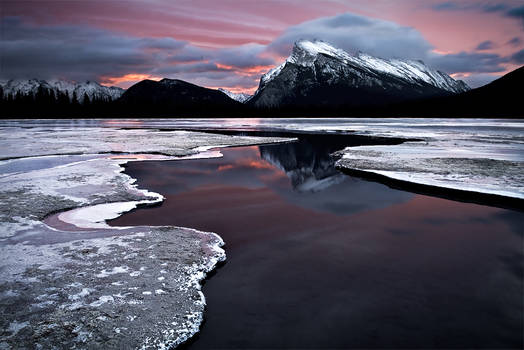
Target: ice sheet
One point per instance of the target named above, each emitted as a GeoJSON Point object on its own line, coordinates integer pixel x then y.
{"type": "Point", "coordinates": [92, 285]}
{"type": "Point", "coordinates": [444, 164]}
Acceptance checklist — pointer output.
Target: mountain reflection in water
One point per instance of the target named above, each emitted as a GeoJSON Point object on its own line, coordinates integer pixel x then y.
{"type": "Point", "coordinates": [317, 259]}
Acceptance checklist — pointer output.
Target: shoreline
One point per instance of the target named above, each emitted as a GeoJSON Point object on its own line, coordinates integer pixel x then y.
{"type": "Point", "coordinates": [375, 248]}
{"type": "Point", "coordinates": [73, 252]}
{"type": "Point", "coordinates": [137, 237]}
{"type": "Point", "coordinates": [466, 196]}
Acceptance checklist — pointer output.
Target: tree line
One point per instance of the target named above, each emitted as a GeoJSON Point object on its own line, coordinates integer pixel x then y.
{"type": "Point", "coordinates": [48, 103]}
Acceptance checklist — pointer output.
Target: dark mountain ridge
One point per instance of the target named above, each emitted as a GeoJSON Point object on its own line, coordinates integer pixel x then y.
{"type": "Point", "coordinates": [500, 98]}
{"type": "Point", "coordinates": [317, 80]}
{"type": "Point", "coordinates": [173, 97]}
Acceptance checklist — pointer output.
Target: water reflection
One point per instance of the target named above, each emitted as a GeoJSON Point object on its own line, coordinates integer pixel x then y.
{"type": "Point", "coordinates": [310, 166]}
{"type": "Point", "coordinates": [300, 173]}
{"type": "Point", "coordinates": [316, 259]}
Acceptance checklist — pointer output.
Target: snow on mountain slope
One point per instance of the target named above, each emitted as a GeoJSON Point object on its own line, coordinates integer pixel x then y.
{"type": "Point", "coordinates": [240, 97]}
{"type": "Point", "coordinates": [90, 88]}
{"type": "Point", "coordinates": [306, 53]}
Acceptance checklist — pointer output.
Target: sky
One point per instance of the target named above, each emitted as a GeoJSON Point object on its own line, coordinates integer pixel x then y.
{"type": "Point", "coordinates": [231, 43]}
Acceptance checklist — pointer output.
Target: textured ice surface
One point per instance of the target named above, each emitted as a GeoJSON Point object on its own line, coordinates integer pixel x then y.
{"type": "Point", "coordinates": [480, 149]}
{"type": "Point", "coordinates": [85, 288]}
{"type": "Point", "coordinates": [96, 286]}
{"type": "Point", "coordinates": [480, 156]}
{"type": "Point", "coordinates": [424, 163]}
{"type": "Point", "coordinates": [18, 141]}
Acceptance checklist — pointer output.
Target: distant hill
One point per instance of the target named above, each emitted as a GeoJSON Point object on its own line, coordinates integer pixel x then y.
{"type": "Point", "coordinates": [173, 97]}
{"type": "Point", "coordinates": [500, 98]}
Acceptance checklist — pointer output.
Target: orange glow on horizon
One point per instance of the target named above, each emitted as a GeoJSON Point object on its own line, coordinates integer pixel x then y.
{"type": "Point", "coordinates": [224, 66]}
{"type": "Point", "coordinates": [460, 75]}
{"type": "Point", "coordinates": [246, 70]}
{"type": "Point", "coordinates": [132, 77]}
{"type": "Point", "coordinates": [236, 89]}
{"type": "Point", "coordinates": [258, 69]}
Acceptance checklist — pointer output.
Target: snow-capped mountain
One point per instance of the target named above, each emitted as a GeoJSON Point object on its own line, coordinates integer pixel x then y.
{"type": "Point", "coordinates": [318, 73]}
{"type": "Point", "coordinates": [240, 97]}
{"type": "Point", "coordinates": [90, 88]}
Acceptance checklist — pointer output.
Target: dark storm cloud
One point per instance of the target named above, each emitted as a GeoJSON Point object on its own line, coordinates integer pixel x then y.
{"type": "Point", "coordinates": [462, 5]}
{"type": "Point", "coordinates": [196, 67]}
{"type": "Point", "coordinates": [503, 8]}
{"type": "Point", "coordinates": [516, 41]}
{"type": "Point", "coordinates": [518, 13]}
{"type": "Point", "coordinates": [244, 56]}
{"type": "Point", "coordinates": [353, 32]}
{"type": "Point", "coordinates": [447, 6]}
{"type": "Point", "coordinates": [85, 53]}
{"type": "Point", "coordinates": [162, 43]}
{"type": "Point", "coordinates": [494, 7]}
{"type": "Point", "coordinates": [387, 40]}
{"type": "Point", "coordinates": [472, 62]}
{"type": "Point", "coordinates": [518, 57]}
{"type": "Point", "coordinates": [188, 54]}
{"type": "Point", "coordinates": [75, 52]}
{"type": "Point", "coordinates": [485, 45]}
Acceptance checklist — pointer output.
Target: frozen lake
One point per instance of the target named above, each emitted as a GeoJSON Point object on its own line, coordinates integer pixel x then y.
{"type": "Point", "coordinates": [317, 259]}
{"type": "Point", "coordinates": [313, 256]}
{"type": "Point", "coordinates": [476, 155]}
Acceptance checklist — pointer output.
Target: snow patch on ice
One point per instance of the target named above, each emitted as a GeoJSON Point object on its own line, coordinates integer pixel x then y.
{"type": "Point", "coordinates": [15, 327]}
{"type": "Point", "coordinates": [102, 300]}
{"type": "Point", "coordinates": [441, 165]}
{"type": "Point", "coordinates": [113, 271]}
{"type": "Point", "coordinates": [83, 293]}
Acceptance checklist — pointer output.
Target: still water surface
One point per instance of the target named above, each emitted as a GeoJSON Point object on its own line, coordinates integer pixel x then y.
{"type": "Point", "coordinates": [317, 259]}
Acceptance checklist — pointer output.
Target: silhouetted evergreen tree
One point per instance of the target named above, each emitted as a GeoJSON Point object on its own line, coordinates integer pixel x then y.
{"type": "Point", "coordinates": [74, 99]}
{"type": "Point", "coordinates": [86, 102]}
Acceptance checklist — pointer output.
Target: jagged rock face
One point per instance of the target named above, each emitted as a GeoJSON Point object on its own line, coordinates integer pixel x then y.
{"type": "Point", "coordinates": [92, 89]}
{"type": "Point", "coordinates": [318, 74]}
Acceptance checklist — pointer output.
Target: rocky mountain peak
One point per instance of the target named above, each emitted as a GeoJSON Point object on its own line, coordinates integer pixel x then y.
{"type": "Point", "coordinates": [305, 52]}
{"type": "Point", "coordinates": [316, 64]}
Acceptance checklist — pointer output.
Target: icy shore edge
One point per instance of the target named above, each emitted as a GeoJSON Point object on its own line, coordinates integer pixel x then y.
{"type": "Point", "coordinates": [76, 282]}
{"type": "Point", "coordinates": [423, 166]}
{"type": "Point", "coordinates": [96, 216]}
